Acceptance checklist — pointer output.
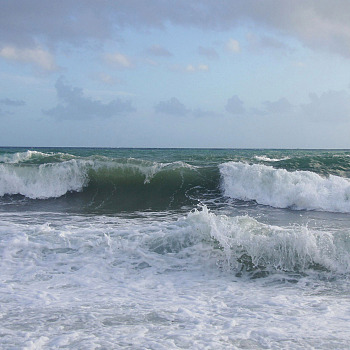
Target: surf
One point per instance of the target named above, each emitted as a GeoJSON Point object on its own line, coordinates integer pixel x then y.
{"type": "Point", "coordinates": [299, 190]}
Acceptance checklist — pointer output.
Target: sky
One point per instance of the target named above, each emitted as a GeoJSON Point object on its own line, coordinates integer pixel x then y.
{"type": "Point", "coordinates": [180, 73]}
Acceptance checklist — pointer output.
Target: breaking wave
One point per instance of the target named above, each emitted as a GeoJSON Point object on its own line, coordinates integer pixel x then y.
{"type": "Point", "coordinates": [101, 182]}
{"type": "Point", "coordinates": [283, 189]}
{"type": "Point", "coordinates": [251, 246]}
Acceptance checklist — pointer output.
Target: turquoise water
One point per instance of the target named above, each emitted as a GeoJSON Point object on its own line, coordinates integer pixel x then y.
{"type": "Point", "coordinates": [174, 248]}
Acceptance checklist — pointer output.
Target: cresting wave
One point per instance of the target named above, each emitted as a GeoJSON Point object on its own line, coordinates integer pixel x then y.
{"type": "Point", "coordinates": [104, 183]}
{"type": "Point", "coordinates": [283, 189]}
{"type": "Point", "coordinates": [250, 246]}
{"type": "Point", "coordinates": [130, 184]}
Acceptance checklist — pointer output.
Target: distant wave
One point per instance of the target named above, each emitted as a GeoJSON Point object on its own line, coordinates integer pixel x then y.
{"type": "Point", "coordinates": [268, 159]}
{"type": "Point", "coordinates": [283, 189]}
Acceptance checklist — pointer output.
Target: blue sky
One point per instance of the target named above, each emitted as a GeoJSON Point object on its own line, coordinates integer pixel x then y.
{"type": "Point", "coordinates": [160, 73]}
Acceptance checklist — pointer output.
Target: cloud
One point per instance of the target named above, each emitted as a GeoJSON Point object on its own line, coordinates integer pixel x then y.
{"type": "Point", "coordinates": [233, 46]}
{"type": "Point", "coordinates": [330, 106]}
{"type": "Point", "coordinates": [119, 60]}
{"type": "Point", "coordinates": [318, 24]}
{"type": "Point", "coordinates": [280, 106]}
{"type": "Point", "coordinates": [74, 105]}
{"type": "Point", "coordinates": [12, 103]}
{"type": "Point", "coordinates": [257, 43]}
{"type": "Point", "coordinates": [157, 50]}
{"type": "Point", "coordinates": [208, 52]}
{"type": "Point", "coordinates": [172, 107]}
{"type": "Point", "coordinates": [199, 113]}
{"type": "Point", "coordinates": [190, 68]}
{"type": "Point", "coordinates": [106, 79]}
{"type": "Point", "coordinates": [200, 67]}
{"type": "Point", "coordinates": [37, 56]}
{"type": "Point", "coordinates": [235, 105]}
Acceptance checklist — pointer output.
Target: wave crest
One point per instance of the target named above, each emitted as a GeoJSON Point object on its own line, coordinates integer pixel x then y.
{"type": "Point", "coordinates": [283, 189]}
{"type": "Point", "coordinates": [251, 246]}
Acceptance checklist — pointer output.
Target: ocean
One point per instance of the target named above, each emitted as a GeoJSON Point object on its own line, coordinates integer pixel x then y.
{"type": "Point", "coordinates": [174, 248]}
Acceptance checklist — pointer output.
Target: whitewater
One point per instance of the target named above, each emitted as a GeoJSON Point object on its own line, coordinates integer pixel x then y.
{"type": "Point", "coordinates": [174, 248]}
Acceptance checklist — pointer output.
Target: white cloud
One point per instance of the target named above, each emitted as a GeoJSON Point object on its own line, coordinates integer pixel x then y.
{"type": "Point", "coordinates": [106, 78]}
{"type": "Point", "coordinates": [233, 46]}
{"type": "Point", "coordinates": [190, 68]}
{"type": "Point", "coordinates": [37, 56]}
{"type": "Point", "coordinates": [203, 67]}
{"type": "Point", "coordinates": [119, 60]}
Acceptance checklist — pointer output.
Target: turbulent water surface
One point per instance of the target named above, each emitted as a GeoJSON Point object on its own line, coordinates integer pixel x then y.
{"type": "Point", "coordinates": [174, 249]}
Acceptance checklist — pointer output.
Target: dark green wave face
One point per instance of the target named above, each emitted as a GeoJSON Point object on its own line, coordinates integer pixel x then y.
{"type": "Point", "coordinates": [117, 180]}
{"type": "Point", "coordinates": [128, 190]}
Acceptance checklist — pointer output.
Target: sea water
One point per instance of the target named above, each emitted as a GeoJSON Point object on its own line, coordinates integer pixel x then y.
{"type": "Point", "coordinates": [174, 249]}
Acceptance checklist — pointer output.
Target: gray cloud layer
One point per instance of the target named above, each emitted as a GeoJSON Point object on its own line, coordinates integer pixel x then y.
{"type": "Point", "coordinates": [12, 103]}
{"type": "Point", "coordinates": [172, 107]}
{"type": "Point", "coordinates": [235, 105]}
{"type": "Point", "coordinates": [175, 108]}
{"type": "Point", "coordinates": [331, 106]}
{"type": "Point", "coordinates": [318, 24]}
{"type": "Point", "coordinates": [74, 105]}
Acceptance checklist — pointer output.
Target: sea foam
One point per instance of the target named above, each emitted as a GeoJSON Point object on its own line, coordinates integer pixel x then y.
{"type": "Point", "coordinates": [43, 181]}
{"type": "Point", "coordinates": [250, 245]}
{"type": "Point", "coordinates": [283, 189]}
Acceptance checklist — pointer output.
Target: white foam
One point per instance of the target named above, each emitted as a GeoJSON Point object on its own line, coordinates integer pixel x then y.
{"type": "Point", "coordinates": [268, 159]}
{"type": "Point", "coordinates": [282, 189]}
{"type": "Point", "coordinates": [19, 156]}
{"type": "Point", "coordinates": [96, 282]}
{"type": "Point", "coordinates": [294, 248]}
{"type": "Point", "coordinates": [43, 181]}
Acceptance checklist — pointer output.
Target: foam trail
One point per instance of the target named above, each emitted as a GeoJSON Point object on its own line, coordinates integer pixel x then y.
{"type": "Point", "coordinates": [282, 189]}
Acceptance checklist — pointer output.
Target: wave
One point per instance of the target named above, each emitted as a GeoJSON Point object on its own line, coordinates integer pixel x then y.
{"type": "Point", "coordinates": [34, 157]}
{"type": "Point", "coordinates": [103, 183]}
{"type": "Point", "coordinates": [251, 246]}
{"type": "Point", "coordinates": [301, 190]}
{"type": "Point", "coordinates": [268, 159]}
{"type": "Point", "coordinates": [97, 181]}
{"type": "Point", "coordinates": [43, 181]}
{"type": "Point", "coordinates": [246, 246]}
